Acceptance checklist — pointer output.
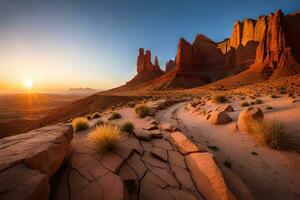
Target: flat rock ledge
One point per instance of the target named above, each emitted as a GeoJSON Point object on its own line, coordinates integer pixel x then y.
{"type": "Point", "coordinates": [140, 168]}
{"type": "Point", "coordinates": [28, 161]}
{"type": "Point", "coordinates": [164, 165]}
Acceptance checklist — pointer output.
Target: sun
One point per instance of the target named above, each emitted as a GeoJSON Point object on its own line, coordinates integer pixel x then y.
{"type": "Point", "coordinates": [27, 84]}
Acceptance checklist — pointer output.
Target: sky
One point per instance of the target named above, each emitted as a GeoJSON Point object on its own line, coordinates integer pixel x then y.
{"type": "Point", "coordinates": [88, 43]}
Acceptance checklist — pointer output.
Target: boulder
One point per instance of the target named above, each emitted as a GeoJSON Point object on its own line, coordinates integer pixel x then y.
{"type": "Point", "coordinates": [207, 177]}
{"type": "Point", "coordinates": [42, 149]}
{"type": "Point", "coordinates": [219, 117]}
{"type": "Point", "coordinates": [246, 117]}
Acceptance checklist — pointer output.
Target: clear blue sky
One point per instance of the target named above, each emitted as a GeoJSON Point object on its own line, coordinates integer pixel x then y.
{"type": "Point", "coordinates": [95, 43]}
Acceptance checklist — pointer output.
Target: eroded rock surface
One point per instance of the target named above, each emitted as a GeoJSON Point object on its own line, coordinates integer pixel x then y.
{"type": "Point", "coordinates": [28, 161]}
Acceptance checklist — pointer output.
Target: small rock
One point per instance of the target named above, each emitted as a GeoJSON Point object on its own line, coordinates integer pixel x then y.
{"type": "Point", "coordinates": [219, 117]}
{"type": "Point", "coordinates": [167, 127]}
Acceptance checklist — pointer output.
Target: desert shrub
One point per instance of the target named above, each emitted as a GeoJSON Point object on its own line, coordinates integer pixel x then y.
{"type": "Point", "coordinates": [242, 98]}
{"type": "Point", "coordinates": [128, 127]}
{"type": "Point", "coordinates": [219, 99]}
{"type": "Point", "coordinates": [80, 124]}
{"type": "Point", "coordinates": [258, 101]}
{"type": "Point", "coordinates": [142, 111]}
{"type": "Point", "coordinates": [114, 116]}
{"type": "Point", "coordinates": [252, 103]}
{"type": "Point", "coordinates": [89, 117]}
{"type": "Point", "coordinates": [245, 104]}
{"type": "Point", "coordinates": [96, 115]}
{"type": "Point", "coordinates": [106, 137]}
{"type": "Point", "coordinates": [273, 133]}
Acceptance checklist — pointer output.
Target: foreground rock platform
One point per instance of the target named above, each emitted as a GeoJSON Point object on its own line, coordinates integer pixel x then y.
{"type": "Point", "coordinates": [141, 167]}
{"type": "Point", "coordinates": [28, 161]}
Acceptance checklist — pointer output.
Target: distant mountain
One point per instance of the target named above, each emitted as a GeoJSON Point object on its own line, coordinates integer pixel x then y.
{"type": "Point", "coordinates": [82, 90]}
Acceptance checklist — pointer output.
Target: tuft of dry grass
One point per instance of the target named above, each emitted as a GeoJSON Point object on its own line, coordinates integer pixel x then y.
{"type": "Point", "coordinates": [219, 99]}
{"type": "Point", "coordinates": [273, 133]}
{"type": "Point", "coordinates": [143, 111]}
{"type": "Point", "coordinates": [106, 137]}
{"type": "Point", "coordinates": [80, 124]}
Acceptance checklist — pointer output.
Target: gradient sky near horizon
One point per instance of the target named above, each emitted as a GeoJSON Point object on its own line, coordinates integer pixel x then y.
{"type": "Point", "coordinates": [60, 44]}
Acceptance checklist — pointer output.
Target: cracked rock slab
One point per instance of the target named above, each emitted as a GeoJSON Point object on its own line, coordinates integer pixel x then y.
{"type": "Point", "coordinates": [183, 144]}
{"type": "Point", "coordinates": [20, 182]}
{"type": "Point", "coordinates": [160, 153]}
{"type": "Point", "coordinates": [207, 176]}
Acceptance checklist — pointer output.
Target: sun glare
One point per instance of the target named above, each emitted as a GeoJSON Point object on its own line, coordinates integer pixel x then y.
{"type": "Point", "coordinates": [27, 84]}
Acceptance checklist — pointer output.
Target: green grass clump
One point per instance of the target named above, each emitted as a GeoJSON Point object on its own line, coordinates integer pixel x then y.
{"type": "Point", "coordinates": [258, 101]}
{"type": "Point", "coordinates": [143, 111]}
{"type": "Point", "coordinates": [128, 127]}
{"type": "Point", "coordinates": [80, 124]}
{"type": "Point", "coordinates": [273, 133]}
{"type": "Point", "coordinates": [219, 99]}
{"type": "Point", "coordinates": [114, 116]}
{"type": "Point", "coordinates": [106, 137]}
{"type": "Point", "coordinates": [245, 104]}
{"type": "Point", "coordinates": [96, 115]}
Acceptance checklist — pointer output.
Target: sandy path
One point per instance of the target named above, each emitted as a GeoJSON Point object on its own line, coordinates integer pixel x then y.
{"type": "Point", "coordinates": [270, 174]}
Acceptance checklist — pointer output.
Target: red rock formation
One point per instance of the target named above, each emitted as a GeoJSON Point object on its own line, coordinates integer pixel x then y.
{"type": "Point", "coordinates": [170, 65]}
{"type": "Point", "coordinates": [145, 69]}
{"type": "Point", "coordinates": [236, 35]}
{"type": "Point", "coordinates": [273, 57]}
{"type": "Point", "coordinates": [248, 31]}
{"type": "Point", "coordinates": [270, 45]}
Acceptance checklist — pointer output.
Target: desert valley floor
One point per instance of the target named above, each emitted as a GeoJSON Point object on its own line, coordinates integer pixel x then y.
{"type": "Point", "coordinates": [187, 150]}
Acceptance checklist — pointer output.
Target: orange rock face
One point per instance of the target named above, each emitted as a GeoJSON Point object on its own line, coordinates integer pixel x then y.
{"type": "Point", "coordinates": [270, 45]}
{"type": "Point", "coordinates": [145, 69]}
{"type": "Point", "coordinates": [248, 31]}
{"type": "Point", "coordinates": [170, 65]}
{"type": "Point", "coordinates": [236, 36]}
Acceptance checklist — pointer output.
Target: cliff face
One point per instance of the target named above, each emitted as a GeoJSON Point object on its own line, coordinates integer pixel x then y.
{"type": "Point", "coordinates": [269, 45]}
{"type": "Point", "coordinates": [145, 69]}
{"type": "Point", "coordinates": [277, 54]}
{"type": "Point", "coordinates": [170, 65]}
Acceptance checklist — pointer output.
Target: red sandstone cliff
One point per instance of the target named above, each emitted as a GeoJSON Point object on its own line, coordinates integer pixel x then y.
{"type": "Point", "coordinates": [268, 46]}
